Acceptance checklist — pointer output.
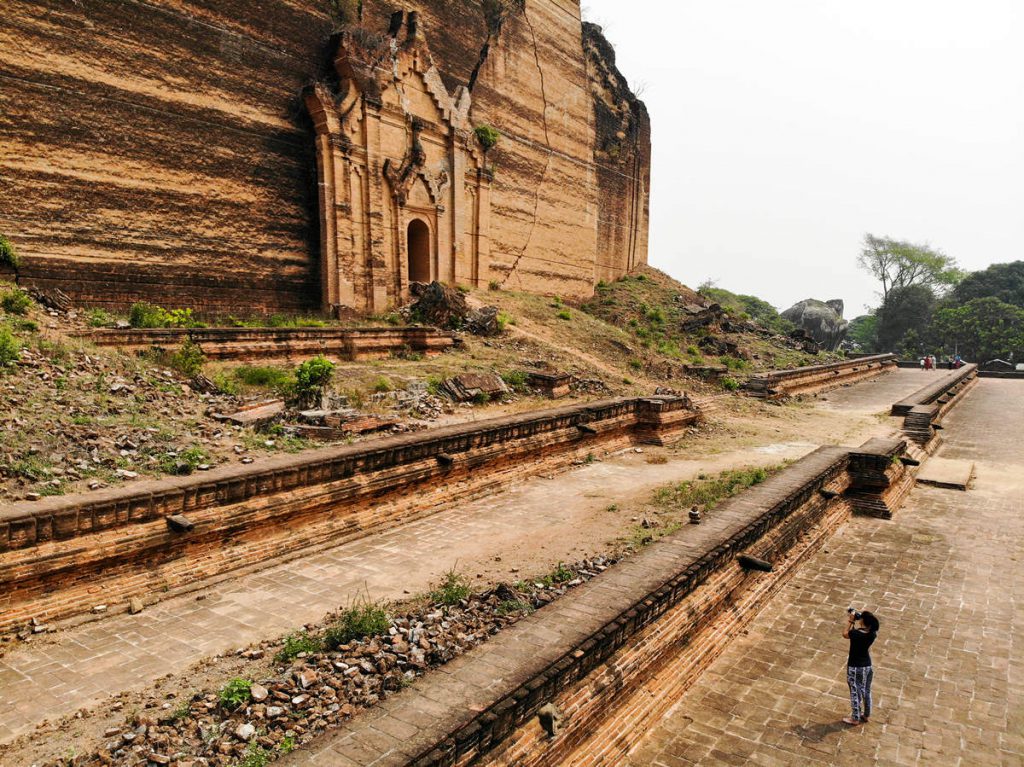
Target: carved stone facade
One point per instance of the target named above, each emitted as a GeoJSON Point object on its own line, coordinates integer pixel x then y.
{"type": "Point", "coordinates": [404, 189]}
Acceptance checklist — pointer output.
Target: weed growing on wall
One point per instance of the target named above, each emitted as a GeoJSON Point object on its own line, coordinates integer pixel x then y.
{"type": "Point", "coordinates": [487, 136]}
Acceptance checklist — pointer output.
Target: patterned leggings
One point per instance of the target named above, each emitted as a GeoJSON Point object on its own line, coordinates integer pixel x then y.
{"type": "Point", "coordinates": [859, 679]}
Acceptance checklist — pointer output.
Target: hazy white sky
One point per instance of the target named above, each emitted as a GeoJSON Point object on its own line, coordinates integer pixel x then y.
{"type": "Point", "coordinates": [785, 130]}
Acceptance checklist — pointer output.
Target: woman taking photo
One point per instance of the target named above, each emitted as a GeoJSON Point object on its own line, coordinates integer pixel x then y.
{"type": "Point", "coordinates": [861, 630]}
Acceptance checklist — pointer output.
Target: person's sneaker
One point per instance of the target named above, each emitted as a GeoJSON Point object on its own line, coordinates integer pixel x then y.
{"type": "Point", "coordinates": [851, 720]}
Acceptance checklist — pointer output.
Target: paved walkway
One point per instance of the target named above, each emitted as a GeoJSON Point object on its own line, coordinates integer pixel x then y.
{"type": "Point", "coordinates": [49, 679]}
{"type": "Point", "coordinates": [945, 578]}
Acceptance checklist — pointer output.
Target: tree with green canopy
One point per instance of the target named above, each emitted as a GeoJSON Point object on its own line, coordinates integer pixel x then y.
{"type": "Point", "coordinates": [898, 264]}
{"type": "Point", "coordinates": [1002, 281]}
{"type": "Point", "coordinates": [982, 329]}
{"type": "Point", "coordinates": [904, 318]}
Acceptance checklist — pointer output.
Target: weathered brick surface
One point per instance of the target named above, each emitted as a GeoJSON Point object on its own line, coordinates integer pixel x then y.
{"type": "Point", "coordinates": [776, 384]}
{"type": "Point", "coordinates": [55, 552]}
{"type": "Point", "coordinates": [160, 150]}
{"type": "Point", "coordinates": [942, 578]}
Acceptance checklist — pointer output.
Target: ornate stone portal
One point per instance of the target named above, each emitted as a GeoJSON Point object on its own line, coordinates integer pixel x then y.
{"type": "Point", "coordinates": [404, 186]}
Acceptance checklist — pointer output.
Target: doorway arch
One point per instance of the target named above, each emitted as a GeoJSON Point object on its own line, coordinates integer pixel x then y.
{"type": "Point", "coordinates": [418, 242]}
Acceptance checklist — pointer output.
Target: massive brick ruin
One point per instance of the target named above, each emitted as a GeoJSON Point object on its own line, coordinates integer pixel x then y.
{"type": "Point", "coordinates": [244, 158]}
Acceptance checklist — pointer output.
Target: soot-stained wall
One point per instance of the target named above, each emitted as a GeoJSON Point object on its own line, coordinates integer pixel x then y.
{"type": "Point", "coordinates": [162, 150]}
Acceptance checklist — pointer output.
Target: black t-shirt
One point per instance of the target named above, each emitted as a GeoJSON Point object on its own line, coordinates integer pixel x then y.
{"type": "Point", "coordinates": [860, 641]}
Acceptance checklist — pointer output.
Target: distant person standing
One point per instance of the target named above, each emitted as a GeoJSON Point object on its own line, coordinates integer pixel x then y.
{"type": "Point", "coordinates": [927, 362]}
{"type": "Point", "coordinates": [922, 363]}
{"type": "Point", "coordinates": [861, 630]}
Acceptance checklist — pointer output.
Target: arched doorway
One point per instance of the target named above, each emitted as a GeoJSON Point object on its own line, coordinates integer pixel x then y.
{"type": "Point", "coordinates": [418, 241]}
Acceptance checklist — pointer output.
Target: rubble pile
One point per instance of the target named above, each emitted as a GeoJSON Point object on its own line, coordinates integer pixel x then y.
{"type": "Point", "coordinates": [319, 689]}
{"type": "Point", "coordinates": [445, 307]}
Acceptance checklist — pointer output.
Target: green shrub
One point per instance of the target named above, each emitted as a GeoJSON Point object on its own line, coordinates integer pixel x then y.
{"type": "Point", "coordinates": [504, 319]}
{"type": "Point", "coordinates": [10, 348]}
{"type": "Point", "coordinates": [357, 622]}
{"type": "Point", "coordinates": [515, 380]}
{"type": "Point", "coordinates": [729, 383]}
{"type": "Point", "coordinates": [564, 314]}
{"type": "Point", "coordinates": [297, 643]}
{"type": "Point", "coordinates": [225, 384]}
{"type": "Point", "coordinates": [189, 359]}
{"type": "Point", "coordinates": [16, 301]}
{"type": "Point", "coordinates": [312, 376]}
{"type": "Point", "coordinates": [146, 315]}
{"type": "Point", "coordinates": [494, 285]}
{"type": "Point", "coordinates": [8, 255]}
{"type": "Point", "coordinates": [487, 136]}
{"type": "Point", "coordinates": [636, 364]}
{"type": "Point", "coordinates": [382, 384]}
{"type": "Point", "coordinates": [452, 589]}
{"type": "Point", "coordinates": [693, 351]}
{"type": "Point", "coordinates": [98, 318]}
{"type": "Point", "coordinates": [481, 398]}
{"type": "Point", "coordinates": [236, 693]}
{"type": "Point", "coordinates": [434, 385]}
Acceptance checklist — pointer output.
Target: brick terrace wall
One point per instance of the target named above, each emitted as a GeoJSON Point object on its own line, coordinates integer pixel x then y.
{"type": "Point", "coordinates": [587, 650]}
{"type": "Point", "coordinates": [59, 555]}
{"type": "Point", "coordinates": [925, 408]}
{"type": "Point", "coordinates": [814, 378]}
{"type": "Point", "coordinates": [280, 343]}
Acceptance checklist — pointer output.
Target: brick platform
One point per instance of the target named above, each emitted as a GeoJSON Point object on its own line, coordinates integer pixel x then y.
{"type": "Point", "coordinates": [281, 343]}
{"type": "Point", "coordinates": [943, 578]}
{"type": "Point", "coordinates": [54, 553]}
{"type": "Point", "coordinates": [777, 384]}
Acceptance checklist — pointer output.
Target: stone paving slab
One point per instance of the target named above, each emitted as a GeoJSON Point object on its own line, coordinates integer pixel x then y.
{"type": "Point", "coordinates": [946, 472]}
{"type": "Point", "coordinates": [946, 580]}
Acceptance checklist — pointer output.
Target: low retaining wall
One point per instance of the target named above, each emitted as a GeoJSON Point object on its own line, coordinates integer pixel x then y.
{"type": "Point", "coordinates": [679, 601]}
{"type": "Point", "coordinates": [777, 384]}
{"type": "Point", "coordinates": [281, 343]}
{"type": "Point", "coordinates": [923, 410]}
{"type": "Point", "coordinates": [62, 555]}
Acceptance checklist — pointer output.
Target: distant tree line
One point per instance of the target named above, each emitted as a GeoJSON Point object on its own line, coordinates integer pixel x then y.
{"type": "Point", "coordinates": [931, 306]}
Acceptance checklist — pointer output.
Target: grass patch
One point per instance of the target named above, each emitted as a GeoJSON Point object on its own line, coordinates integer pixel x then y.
{"type": "Point", "coordinates": [564, 314]}
{"type": "Point", "coordinates": [560, 574]}
{"type": "Point", "coordinates": [10, 348]}
{"type": "Point", "coordinates": [513, 606]}
{"type": "Point", "coordinates": [265, 377]}
{"type": "Point", "coordinates": [452, 589]}
{"type": "Point", "coordinates": [709, 491]}
{"type": "Point", "coordinates": [299, 642]}
{"type": "Point", "coordinates": [356, 622]}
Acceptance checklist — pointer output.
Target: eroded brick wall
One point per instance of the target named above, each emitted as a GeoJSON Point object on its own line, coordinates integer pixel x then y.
{"type": "Point", "coordinates": [160, 150]}
{"type": "Point", "coordinates": [58, 556]}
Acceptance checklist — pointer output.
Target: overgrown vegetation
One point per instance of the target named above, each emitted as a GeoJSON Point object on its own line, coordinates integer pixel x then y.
{"type": "Point", "coordinates": [10, 349]}
{"type": "Point", "coordinates": [8, 255]}
{"type": "Point", "coordinates": [265, 377]}
{"type": "Point", "coordinates": [297, 643]}
{"type": "Point", "coordinates": [453, 588]}
{"type": "Point", "coordinates": [708, 492]}
{"type": "Point", "coordinates": [147, 315]}
{"type": "Point", "coordinates": [236, 693]}
{"type": "Point", "coordinates": [15, 301]}
{"type": "Point", "coordinates": [487, 136]}
{"type": "Point", "coordinates": [312, 377]}
{"type": "Point", "coordinates": [360, 620]}
{"type": "Point", "coordinates": [189, 359]}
